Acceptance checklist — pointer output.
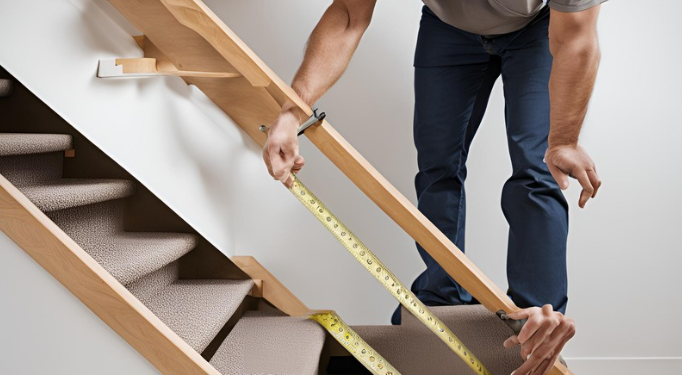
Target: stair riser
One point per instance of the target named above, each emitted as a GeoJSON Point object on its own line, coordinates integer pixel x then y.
{"type": "Point", "coordinates": [23, 170]}
{"type": "Point", "coordinates": [149, 285]}
{"type": "Point", "coordinates": [90, 224]}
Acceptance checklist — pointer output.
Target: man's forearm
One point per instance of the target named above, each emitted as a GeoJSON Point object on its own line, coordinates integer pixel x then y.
{"type": "Point", "coordinates": [330, 47]}
{"type": "Point", "coordinates": [576, 61]}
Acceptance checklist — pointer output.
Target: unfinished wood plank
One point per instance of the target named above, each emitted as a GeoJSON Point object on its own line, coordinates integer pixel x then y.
{"type": "Point", "coordinates": [197, 17]}
{"type": "Point", "coordinates": [153, 19]}
{"type": "Point", "coordinates": [145, 67]}
{"type": "Point", "coordinates": [257, 290]}
{"type": "Point", "coordinates": [272, 289]}
{"type": "Point", "coordinates": [48, 245]}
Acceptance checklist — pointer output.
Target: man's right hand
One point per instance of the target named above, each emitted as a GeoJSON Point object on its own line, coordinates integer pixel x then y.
{"type": "Point", "coordinates": [330, 48]}
{"type": "Point", "coordinates": [280, 151]}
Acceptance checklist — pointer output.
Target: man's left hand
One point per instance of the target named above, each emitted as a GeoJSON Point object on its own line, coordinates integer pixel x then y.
{"type": "Point", "coordinates": [542, 338]}
{"type": "Point", "coordinates": [573, 161]}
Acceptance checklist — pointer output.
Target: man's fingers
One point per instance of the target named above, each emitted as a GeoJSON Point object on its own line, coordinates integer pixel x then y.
{"type": "Point", "coordinates": [281, 164]}
{"type": "Point", "coordinates": [528, 366]}
{"type": "Point", "coordinates": [551, 348]}
{"type": "Point", "coordinates": [289, 182]}
{"type": "Point", "coordinates": [530, 328]}
{"type": "Point", "coordinates": [560, 176]}
{"type": "Point", "coordinates": [544, 366]}
{"type": "Point", "coordinates": [522, 314]}
{"type": "Point", "coordinates": [588, 189]}
{"type": "Point", "coordinates": [266, 159]}
{"type": "Point", "coordinates": [540, 336]}
{"type": "Point", "coordinates": [299, 162]}
{"type": "Point", "coordinates": [594, 180]}
{"type": "Point", "coordinates": [511, 342]}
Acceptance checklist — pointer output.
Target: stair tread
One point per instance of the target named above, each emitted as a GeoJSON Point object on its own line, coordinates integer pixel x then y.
{"type": "Point", "coordinates": [266, 343]}
{"type": "Point", "coordinates": [131, 255]}
{"type": "Point", "coordinates": [424, 353]}
{"type": "Point", "coordinates": [198, 309]}
{"type": "Point", "coordinates": [72, 192]}
{"type": "Point", "coordinates": [30, 143]}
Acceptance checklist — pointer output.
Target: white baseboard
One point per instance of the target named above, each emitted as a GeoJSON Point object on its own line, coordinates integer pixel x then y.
{"type": "Point", "coordinates": [625, 366]}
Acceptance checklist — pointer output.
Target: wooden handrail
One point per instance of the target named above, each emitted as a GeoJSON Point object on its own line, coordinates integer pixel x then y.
{"type": "Point", "coordinates": [192, 36]}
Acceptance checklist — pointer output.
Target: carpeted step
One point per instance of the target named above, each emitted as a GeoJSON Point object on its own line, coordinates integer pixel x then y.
{"type": "Point", "coordinates": [414, 350]}
{"type": "Point", "coordinates": [72, 192]}
{"type": "Point", "coordinates": [30, 143]}
{"type": "Point", "coordinates": [263, 343]}
{"type": "Point", "coordinates": [198, 309]}
{"type": "Point", "coordinates": [129, 255]}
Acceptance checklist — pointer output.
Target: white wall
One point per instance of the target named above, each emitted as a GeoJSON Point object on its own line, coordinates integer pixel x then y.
{"type": "Point", "coordinates": [622, 254]}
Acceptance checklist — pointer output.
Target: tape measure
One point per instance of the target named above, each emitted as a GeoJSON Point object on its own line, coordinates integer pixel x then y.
{"type": "Point", "coordinates": [355, 345]}
{"type": "Point", "coordinates": [362, 254]}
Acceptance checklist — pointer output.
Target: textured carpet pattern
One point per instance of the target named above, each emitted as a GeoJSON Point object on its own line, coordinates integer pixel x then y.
{"type": "Point", "coordinates": [265, 344]}
{"type": "Point", "coordinates": [129, 256]}
{"type": "Point", "coordinates": [26, 170]}
{"type": "Point", "coordinates": [85, 223]}
{"type": "Point", "coordinates": [73, 192]}
{"type": "Point", "coordinates": [91, 212]}
{"type": "Point", "coordinates": [197, 309]}
{"type": "Point", "coordinates": [414, 350]}
{"type": "Point", "coordinates": [29, 143]}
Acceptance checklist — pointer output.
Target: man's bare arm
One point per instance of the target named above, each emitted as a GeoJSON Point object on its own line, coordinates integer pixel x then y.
{"type": "Point", "coordinates": [330, 48]}
{"type": "Point", "coordinates": [575, 48]}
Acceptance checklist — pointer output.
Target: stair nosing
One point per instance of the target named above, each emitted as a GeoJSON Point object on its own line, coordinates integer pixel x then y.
{"type": "Point", "coordinates": [45, 201]}
{"type": "Point", "coordinates": [21, 148]}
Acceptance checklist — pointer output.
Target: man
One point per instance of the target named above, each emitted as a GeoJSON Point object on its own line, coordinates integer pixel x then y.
{"type": "Point", "coordinates": [547, 55]}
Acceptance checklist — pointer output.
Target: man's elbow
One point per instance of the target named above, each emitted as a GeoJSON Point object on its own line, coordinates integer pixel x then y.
{"type": "Point", "coordinates": [359, 13]}
{"type": "Point", "coordinates": [583, 47]}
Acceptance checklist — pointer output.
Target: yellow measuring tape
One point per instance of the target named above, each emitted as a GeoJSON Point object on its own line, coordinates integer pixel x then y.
{"type": "Point", "coordinates": [362, 254]}
{"type": "Point", "coordinates": [355, 345]}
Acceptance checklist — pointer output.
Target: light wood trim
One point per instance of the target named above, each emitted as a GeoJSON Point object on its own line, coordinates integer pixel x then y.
{"type": "Point", "coordinates": [148, 66]}
{"type": "Point", "coordinates": [199, 18]}
{"type": "Point", "coordinates": [257, 290]}
{"type": "Point", "coordinates": [257, 99]}
{"type": "Point", "coordinates": [48, 245]}
{"type": "Point", "coordinates": [272, 290]}
{"type": "Point", "coordinates": [141, 65]}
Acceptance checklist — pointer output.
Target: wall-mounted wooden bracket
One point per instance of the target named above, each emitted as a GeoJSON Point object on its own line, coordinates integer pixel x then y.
{"type": "Point", "coordinates": [147, 67]}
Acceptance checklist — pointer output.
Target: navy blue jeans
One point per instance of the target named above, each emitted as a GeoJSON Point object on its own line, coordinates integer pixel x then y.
{"type": "Point", "coordinates": [454, 73]}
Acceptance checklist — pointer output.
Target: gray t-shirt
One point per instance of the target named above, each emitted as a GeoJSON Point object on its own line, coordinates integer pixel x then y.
{"type": "Point", "coordinates": [493, 17]}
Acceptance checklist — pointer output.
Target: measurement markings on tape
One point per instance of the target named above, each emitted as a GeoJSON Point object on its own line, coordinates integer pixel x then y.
{"type": "Point", "coordinates": [355, 345]}
{"type": "Point", "coordinates": [362, 254]}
